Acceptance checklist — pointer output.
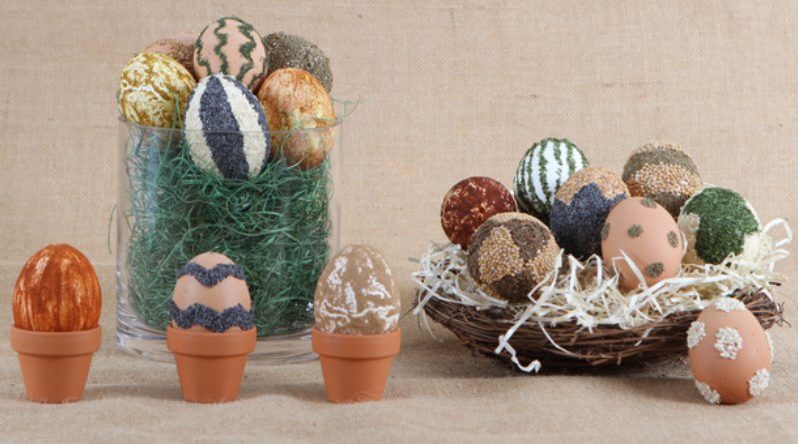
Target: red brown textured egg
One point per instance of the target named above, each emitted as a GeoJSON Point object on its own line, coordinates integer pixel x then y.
{"type": "Point", "coordinates": [648, 235]}
{"type": "Point", "coordinates": [212, 285]}
{"type": "Point", "coordinates": [179, 47]}
{"type": "Point", "coordinates": [57, 290]}
{"type": "Point", "coordinates": [471, 202]}
{"type": "Point", "coordinates": [730, 354]}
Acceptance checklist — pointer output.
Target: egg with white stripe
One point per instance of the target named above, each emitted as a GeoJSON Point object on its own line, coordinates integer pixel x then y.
{"type": "Point", "coordinates": [226, 129]}
{"type": "Point", "coordinates": [541, 172]}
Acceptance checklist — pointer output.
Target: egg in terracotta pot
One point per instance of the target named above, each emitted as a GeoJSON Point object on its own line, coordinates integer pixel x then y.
{"type": "Point", "coordinates": [211, 294]}
{"type": "Point", "coordinates": [57, 291]}
{"type": "Point", "coordinates": [356, 294]}
{"type": "Point", "coordinates": [730, 353]}
{"type": "Point", "coordinates": [646, 232]}
{"type": "Point", "coordinates": [301, 116]}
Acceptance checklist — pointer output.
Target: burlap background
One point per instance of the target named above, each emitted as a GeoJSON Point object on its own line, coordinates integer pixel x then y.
{"type": "Point", "coordinates": [451, 89]}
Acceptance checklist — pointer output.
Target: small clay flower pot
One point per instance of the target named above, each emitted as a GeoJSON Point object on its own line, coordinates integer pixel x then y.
{"type": "Point", "coordinates": [355, 367]}
{"type": "Point", "coordinates": [55, 365]}
{"type": "Point", "coordinates": [210, 365]}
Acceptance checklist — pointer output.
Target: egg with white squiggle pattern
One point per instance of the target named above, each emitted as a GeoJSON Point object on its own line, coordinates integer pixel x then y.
{"type": "Point", "coordinates": [356, 294]}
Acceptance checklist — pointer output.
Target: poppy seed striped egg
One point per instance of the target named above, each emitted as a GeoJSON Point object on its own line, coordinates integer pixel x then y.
{"type": "Point", "coordinates": [226, 129]}
{"type": "Point", "coordinates": [542, 170]}
{"type": "Point", "coordinates": [231, 46]}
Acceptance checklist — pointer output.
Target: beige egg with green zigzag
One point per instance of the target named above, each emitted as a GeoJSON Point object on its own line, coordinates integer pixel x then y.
{"type": "Point", "coordinates": [231, 46]}
{"type": "Point", "coordinates": [154, 89]}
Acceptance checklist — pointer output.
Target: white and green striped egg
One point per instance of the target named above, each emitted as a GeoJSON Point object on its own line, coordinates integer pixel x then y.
{"type": "Point", "coordinates": [544, 167]}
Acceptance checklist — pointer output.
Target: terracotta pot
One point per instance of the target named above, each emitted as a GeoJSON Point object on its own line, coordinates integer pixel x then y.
{"type": "Point", "coordinates": [55, 365]}
{"type": "Point", "coordinates": [210, 365]}
{"type": "Point", "coordinates": [355, 367]}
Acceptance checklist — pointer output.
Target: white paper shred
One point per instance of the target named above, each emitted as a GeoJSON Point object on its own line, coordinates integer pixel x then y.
{"type": "Point", "coordinates": [586, 294]}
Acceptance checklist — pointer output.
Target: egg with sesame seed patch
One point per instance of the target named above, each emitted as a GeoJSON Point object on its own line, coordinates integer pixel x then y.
{"type": "Point", "coordinates": [640, 230]}
{"type": "Point", "coordinates": [729, 352]}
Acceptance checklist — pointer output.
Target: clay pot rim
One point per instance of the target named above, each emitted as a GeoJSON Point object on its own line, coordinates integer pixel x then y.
{"type": "Point", "coordinates": [56, 343]}
{"type": "Point", "coordinates": [346, 346]}
{"type": "Point", "coordinates": [210, 344]}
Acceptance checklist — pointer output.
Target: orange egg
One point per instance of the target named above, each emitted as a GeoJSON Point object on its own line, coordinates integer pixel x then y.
{"type": "Point", "coordinates": [648, 235]}
{"type": "Point", "coordinates": [300, 114]}
{"type": "Point", "coordinates": [730, 354]}
{"type": "Point", "coordinates": [57, 290]}
{"type": "Point", "coordinates": [210, 285]}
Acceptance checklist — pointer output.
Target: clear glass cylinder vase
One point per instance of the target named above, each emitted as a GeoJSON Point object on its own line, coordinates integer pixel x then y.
{"type": "Point", "coordinates": [280, 226]}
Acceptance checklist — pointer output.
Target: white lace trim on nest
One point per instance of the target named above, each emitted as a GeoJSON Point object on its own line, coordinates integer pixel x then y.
{"type": "Point", "coordinates": [583, 293]}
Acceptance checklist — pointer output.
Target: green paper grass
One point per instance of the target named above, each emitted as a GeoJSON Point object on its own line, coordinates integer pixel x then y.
{"type": "Point", "coordinates": [275, 226]}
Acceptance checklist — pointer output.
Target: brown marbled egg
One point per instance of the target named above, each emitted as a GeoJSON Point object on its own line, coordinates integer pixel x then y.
{"type": "Point", "coordinates": [301, 116]}
{"type": "Point", "coordinates": [57, 290]}
{"type": "Point", "coordinates": [648, 235]}
{"type": "Point", "coordinates": [207, 286]}
{"type": "Point", "coordinates": [510, 254]}
{"type": "Point", "coordinates": [179, 47]}
{"type": "Point", "coordinates": [356, 294]}
{"type": "Point", "coordinates": [231, 46]}
{"type": "Point", "coordinates": [730, 354]}
{"type": "Point", "coordinates": [470, 203]}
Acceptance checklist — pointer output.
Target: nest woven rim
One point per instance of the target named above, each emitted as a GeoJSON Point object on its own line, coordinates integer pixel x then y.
{"type": "Point", "coordinates": [557, 327]}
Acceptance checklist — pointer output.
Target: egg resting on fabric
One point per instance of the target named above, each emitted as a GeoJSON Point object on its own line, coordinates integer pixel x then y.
{"type": "Point", "coordinates": [648, 235]}
{"type": "Point", "coordinates": [179, 47]}
{"type": "Point", "coordinates": [729, 353]}
{"type": "Point", "coordinates": [471, 202]}
{"type": "Point", "coordinates": [580, 208]}
{"type": "Point", "coordinates": [211, 294]}
{"type": "Point", "coordinates": [510, 254]}
{"type": "Point", "coordinates": [717, 222]}
{"type": "Point", "coordinates": [151, 88]}
{"type": "Point", "coordinates": [231, 46]}
{"type": "Point", "coordinates": [356, 294]}
{"type": "Point", "coordinates": [57, 291]}
{"type": "Point", "coordinates": [226, 129]}
{"type": "Point", "coordinates": [292, 51]}
{"type": "Point", "coordinates": [295, 103]}
{"type": "Point", "coordinates": [663, 172]}
{"type": "Point", "coordinates": [541, 172]}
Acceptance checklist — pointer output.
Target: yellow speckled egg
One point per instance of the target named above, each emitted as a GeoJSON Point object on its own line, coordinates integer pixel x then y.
{"type": "Point", "coordinates": [301, 116]}
{"type": "Point", "coordinates": [150, 89]}
{"type": "Point", "coordinates": [730, 353]}
{"type": "Point", "coordinates": [211, 294]}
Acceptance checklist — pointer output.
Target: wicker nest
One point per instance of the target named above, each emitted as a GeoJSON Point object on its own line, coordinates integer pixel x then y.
{"type": "Point", "coordinates": [605, 345]}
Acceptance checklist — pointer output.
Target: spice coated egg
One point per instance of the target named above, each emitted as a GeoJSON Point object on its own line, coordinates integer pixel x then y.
{"type": "Point", "coordinates": [292, 51]}
{"type": "Point", "coordinates": [644, 231]}
{"type": "Point", "coordinates": [179, 47]}
{"type": "Point", "coordinates": [730, 353]}
{"type": "Point", "coordinates": [295, 100]}
{"type": "Point", "coordinates": [211, 294]}
{"type": "Point", "coordinates": [471, 202]}
{"type": "Point", "coordinates": [57, 290]}
{"type": "Point", "coordinates": [510, 254]}
{"type": "Point", "coordinates": [356, 294]}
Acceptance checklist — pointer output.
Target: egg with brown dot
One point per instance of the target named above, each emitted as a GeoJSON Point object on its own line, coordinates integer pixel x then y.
{"type": "Point", "coordinates": [647, 236]}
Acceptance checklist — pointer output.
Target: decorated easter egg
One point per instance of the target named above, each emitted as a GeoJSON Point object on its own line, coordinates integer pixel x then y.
{"type": "Point", "coordinates": [154, 89]}
{"type": "Point", "coordinates": [510, 254]}
{"type": "Point", "coordinates": [231, 46]}
{"type": "Point", "coordinates": [211, 294]}
{"type": "Point", "coordinates": [57, 290]}
{"type": "Point", "coordinates": [179, 47]}
{"type": "Point", "coordinates": [295, 103]}
{"type": "Point", "coordinates": [292, 51]}
{"type": "Point", "coordinates": [356, 295]}
{"type": "Point", "coordinates": [541, 172]}
{"type": "Point", "coordinates": [730, 355]}
{"type": "Point", "coordinates": [717, 222]}
{"type": "Point", "coordinates": [580, 208]}
{"type": "Point", "coordinates": [226, 129]}
{"type": "Point", "coordinates": [663, 172]}
{"type": "Point", "coordinates": [644, 231]}
{"type": "Point", "coordinates": [470, 203]}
